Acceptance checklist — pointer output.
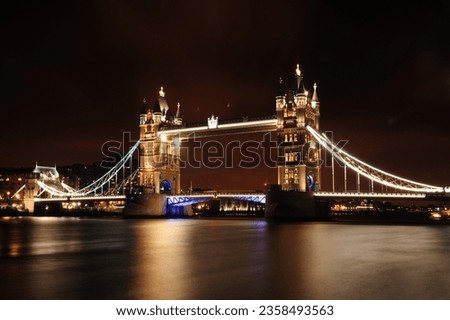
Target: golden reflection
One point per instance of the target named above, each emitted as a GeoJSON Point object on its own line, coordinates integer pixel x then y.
{"type": "Point", "coordinates": [14, 249]}
{"type": "Point", "coordinates": [160, 259]}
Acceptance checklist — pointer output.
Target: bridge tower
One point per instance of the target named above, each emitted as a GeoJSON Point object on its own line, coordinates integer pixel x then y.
{"type": "Point", "coordinates": [159, 156]}
{"type": "Point", "coordinates": [298, 152]}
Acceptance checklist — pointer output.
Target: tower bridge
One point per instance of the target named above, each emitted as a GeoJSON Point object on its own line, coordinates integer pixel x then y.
{"type": "Point", "coordinates": [156, 182]}
{"type": "Point", "coordinates": [161, 134]}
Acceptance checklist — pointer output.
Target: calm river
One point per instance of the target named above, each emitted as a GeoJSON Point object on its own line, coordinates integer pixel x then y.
{"type": "Point", "coordinates": [113, 258]}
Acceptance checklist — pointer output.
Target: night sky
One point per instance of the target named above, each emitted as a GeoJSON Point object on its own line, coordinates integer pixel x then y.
{"type": "Point", "coordinates": [73, 75]}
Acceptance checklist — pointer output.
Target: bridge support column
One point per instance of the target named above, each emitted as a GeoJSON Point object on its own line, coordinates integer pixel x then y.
{"type": "Point", "coordinates": [31, 190]}
{"type": "Point", "coordinates": [157, 182]}
{"type": "Point", "coordinates": [302, 178]}
{"type": "Point", "coordinates": [282, 205]}
{"type": "Point", "coordinates": [146, 205]}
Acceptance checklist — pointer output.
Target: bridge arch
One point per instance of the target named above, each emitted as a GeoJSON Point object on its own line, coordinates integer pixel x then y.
{"type": "Point", "coordinates": [311, 182]}
{"type": "Point", "coordinates": [165, 186]}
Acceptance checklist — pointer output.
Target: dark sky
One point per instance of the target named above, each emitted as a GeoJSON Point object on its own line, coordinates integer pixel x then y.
{"type": "Point", "coordinates": [73, 74]}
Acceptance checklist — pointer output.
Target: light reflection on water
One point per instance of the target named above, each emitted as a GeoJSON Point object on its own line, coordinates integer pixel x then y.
{"type": "Point", "coordinates": [57, 258]}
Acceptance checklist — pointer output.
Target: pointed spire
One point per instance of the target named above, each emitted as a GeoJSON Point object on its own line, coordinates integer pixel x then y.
{"type": "Point", "coordinates": [161, 92]}
{"type": "Point", "coordinates": [315, 99]}
{"type": "Point", "coordinates": [177, 115]}
{"type": "Point", "coordinates": [177, 120]}
{"type": "Point", "coordinates": [314, 96]}
{"type": "Point", "coordinates": [298, 75]}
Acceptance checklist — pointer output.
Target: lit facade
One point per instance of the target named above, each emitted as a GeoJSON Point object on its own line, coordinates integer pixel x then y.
{"type": "Point", "coordinates": [159, 155]}
{"type": "Point", "coordinates": [298, 152]}
{"type": "Point", "coordinates": [11, 181]}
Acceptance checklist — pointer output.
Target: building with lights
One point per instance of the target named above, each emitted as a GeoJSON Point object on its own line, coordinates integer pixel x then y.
{"type": "Point", "coordinates": [298, 156]}
{"type": "Point", "coordinates": [159, 169]}
{"type": "Point", "coordinates": [11, 180]}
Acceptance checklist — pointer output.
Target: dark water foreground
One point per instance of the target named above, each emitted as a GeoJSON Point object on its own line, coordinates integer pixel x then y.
{"type": "Point", "coordinates": [113, 258]}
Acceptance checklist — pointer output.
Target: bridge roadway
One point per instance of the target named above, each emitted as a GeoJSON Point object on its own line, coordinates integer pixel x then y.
{"type": "Point", "coordinates": [369, 195]}
{"type": "Point", "coordinates": [257, 197]}
{"type": "Point", "coordinates": [84, 198]}
{"type": "Point", "coordinates": [187, 199]}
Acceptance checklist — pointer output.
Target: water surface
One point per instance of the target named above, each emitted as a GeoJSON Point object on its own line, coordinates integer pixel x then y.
{"type": "Point", "coordinates": [112, 258]}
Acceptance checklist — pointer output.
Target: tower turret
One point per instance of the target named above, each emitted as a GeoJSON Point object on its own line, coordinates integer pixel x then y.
{"type": "Point", "coordinates": [158, 107]}
{"type": "Point", "coordinates": [315, 105]}
{"type": "Point", "coordinates": [298, 165]}
{"type": "Point", "coordinates": [280, 102]}
{"type": "Point", "coordinates": [315, 99]}
{"type": "Point", "coordinates": [143, 114]}
{"type": "Point", "coordinates": [178, 120]}
{"type": "Point", "coordinates": [143, 118]}
{"type": "Point", "coordinates": [159, 168]}
{"type": "Point", "coordinates": [299, 77]}
{"type": "Point", "coordinates": [300, 93]}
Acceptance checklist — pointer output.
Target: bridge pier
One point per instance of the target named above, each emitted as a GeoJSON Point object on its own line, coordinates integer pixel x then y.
{"type": "Point", "coordinates": [31, 190]}
{"type": "Point", "coordinates": [153, 206]}
{"type": "Point", "coordinates": [294, 205]}
{"type": "Point", "coordinates": [146, 205]}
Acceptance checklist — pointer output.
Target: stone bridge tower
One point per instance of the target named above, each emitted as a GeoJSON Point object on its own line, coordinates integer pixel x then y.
{"type": "Point", "coordinates": [298, 152]}
{"type": "Point", "coordinates": [159, 154]}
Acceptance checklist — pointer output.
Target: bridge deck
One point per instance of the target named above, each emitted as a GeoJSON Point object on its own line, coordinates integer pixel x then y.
{"type": "Point", "coordinates": [186, 199]}
{"type": "Point", "coordinates": [183, 199]}
{"type": "Point", "coordinates": [98, 198]}
{"type": "Point", "coordinates": [244, 126]}
{"type": "Point", "coordinates": [337, 195]}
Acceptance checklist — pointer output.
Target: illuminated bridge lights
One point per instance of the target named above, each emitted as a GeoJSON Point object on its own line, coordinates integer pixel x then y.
{"type": "Point", "coordinates": [267, 123]}
{"type": "Point", "coordinates": [406, 188]}
{"type": "Point", "coordinates": [87, 198]}
{"type": "Point", "coordinates": [370, 172]}
{"type": "Point", "coordinates": [95, 186]}
{"type": "Point", "coordinates": [369, 195]}
{"type": "Point", "coordinates": [185, 200]}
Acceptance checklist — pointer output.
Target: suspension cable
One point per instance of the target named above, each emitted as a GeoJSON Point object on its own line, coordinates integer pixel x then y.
{"type": "Point", "coordinates": [371, 172]}
{"type": "Point", "coordinates": [94, 186]}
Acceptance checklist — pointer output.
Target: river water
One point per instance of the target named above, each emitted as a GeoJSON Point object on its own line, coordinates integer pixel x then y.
{"type": "Point", "coordinates": [113, 258]}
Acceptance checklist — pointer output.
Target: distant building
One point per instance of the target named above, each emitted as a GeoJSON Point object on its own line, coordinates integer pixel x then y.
{"type": "Point", "coordinates": [80, 175]}
{"type": "Point", "coordinates": [12, 179]}
{"type": "Point", "coordinates": [76, 176]}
